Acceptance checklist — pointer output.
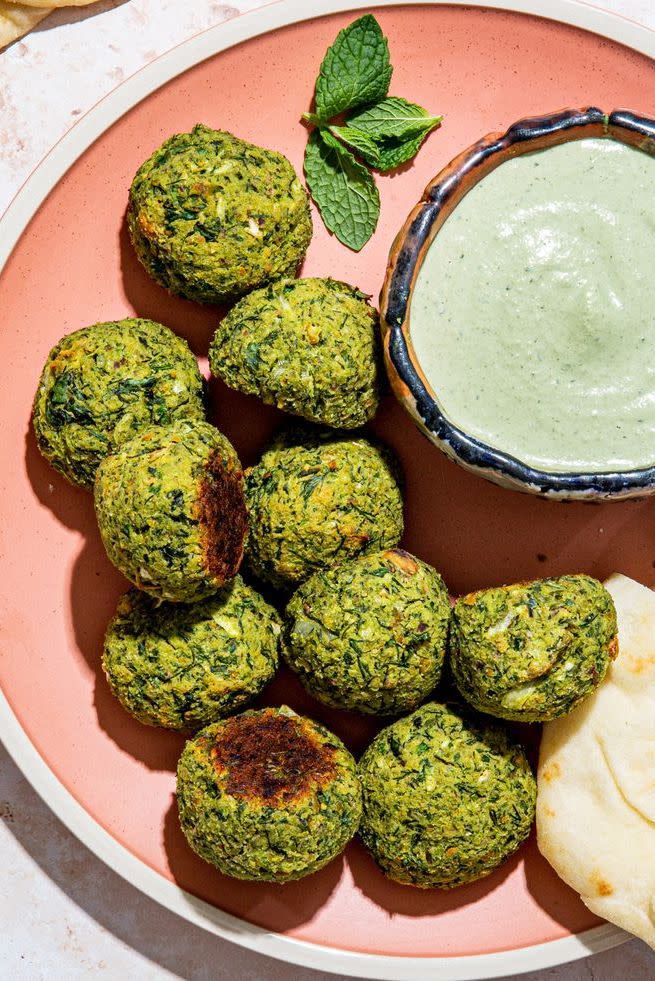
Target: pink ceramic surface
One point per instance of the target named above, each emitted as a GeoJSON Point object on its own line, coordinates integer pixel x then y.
{"type": "Point", "coordinates": [74, 266]}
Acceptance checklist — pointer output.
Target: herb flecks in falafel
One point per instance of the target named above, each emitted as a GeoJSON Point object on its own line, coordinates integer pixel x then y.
{"type": "Point", "coordinates": [212, 217]}
{"type": "Point", "coordinates": [102, 384]}
{"type": "Point", "coordinates": [369, 634]}
{"type": "Point", "coordinates": [268, 796]}
{"type": "Point", "coordinates": [171, 511]}
{"type": "Point", "coordinates": [183, 666]}
{"type": "Point", "coordinates": [447, 798]}
{"type": "Point", "coordinates": [308, 346]}
{"type": "Point", "coordinates": [317, 498]}
{"type": "Point", "coordinates": [532, 651]}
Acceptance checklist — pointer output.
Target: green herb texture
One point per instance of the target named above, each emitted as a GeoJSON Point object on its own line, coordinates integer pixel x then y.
{"type": "Point", "coordinates": [369, 634]}
{"type": "Point", "coordinates": [531, 652]}
{"type": "Point", "coordinates": [212, 217]}
{"type": "Point", "coordinates": [356, 69]}
{"type": "Point", "coordinates": [393, 118]}
{"type": "Point", "coordinates": [358, 140]}
{"type": "Point", "coordinates": [182, 666]}
{"type": "Point", "coordinates": [103, 384]}
{"type": "Point", "coordinates": [268, 796]}
{"type": "Point", "coordinates": [171, 510]}
{"type": "Point", "coordinates": [383, 131]}
{"type": "Point", "coordinates": [447, 798]}
{"type": "Point", "coordinates": [316, 498]}
{"type": "Point", "coordinates": [308, 346]}
{"type": "Point", "coordinates": [343, 189]}
{"type": "Point", "coordinates": [394, 153]}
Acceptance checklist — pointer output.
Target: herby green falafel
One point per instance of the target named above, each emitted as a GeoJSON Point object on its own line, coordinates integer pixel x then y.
{"type": "Point", "coordinates": [447, 798]}
{"type": "Point", "coordinates": [182, 666]}
{"type": "Point", "coordinates": [308, 346]}
{"type": "Point", "coordinates": [171, 510]}
{"type": "Point", "coordinates": [102, 384]}
{"type": "Point", "coordinates": [268, 796]}
{"type": "Point", "coordinates": [212, 217]}
{"type": "Point", "coordinates": [369, 634]}
{"type": "Point", "coordinates": [531, 652]}
{"type": "Point", "coordinates": [317, 498]}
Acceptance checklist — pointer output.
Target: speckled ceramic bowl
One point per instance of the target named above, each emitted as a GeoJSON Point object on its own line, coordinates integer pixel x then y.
{"type": "Point", "coordinates": [440, 197]}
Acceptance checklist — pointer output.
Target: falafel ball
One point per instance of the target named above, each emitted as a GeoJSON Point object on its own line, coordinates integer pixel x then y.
{"type": "Point", "coordinates": [102, 384]}
{"type": "Point", "coordinates": [212, 217]}
{"type": "Point", "coordinates": [531, 652]}
{"type": "Point", "coordinates": [171, 510]}
{"type": "Point", "coordinates": [447, 798]}
{"type": "Point", "coordinates": [316, 498]}
{"type": "Point", "coordinates": [369, 634]}
{"type": "Point", "coordinates": [183, 666]}
{"type": "Point", "coordinates": [308, 346]}
{"type": "Point", "coordinates": [268, 796]}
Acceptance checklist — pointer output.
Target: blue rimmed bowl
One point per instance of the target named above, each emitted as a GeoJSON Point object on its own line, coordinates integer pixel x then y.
{"type": "Point", "coordinates": [408, 381]}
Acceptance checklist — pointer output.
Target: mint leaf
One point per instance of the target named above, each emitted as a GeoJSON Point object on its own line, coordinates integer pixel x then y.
{"type": "Point", "coordinates": [393, 118]}
{"type": "Point", "coordinates": [392, 153]}
{"type": "Point", "coordinates": [356, 69]}
{"type": "Point", "coordinates": [343, 189]}
{"type": "Point", "coordinates": [359, 141]}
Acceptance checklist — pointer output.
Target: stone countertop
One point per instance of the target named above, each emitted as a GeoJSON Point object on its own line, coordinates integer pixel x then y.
{"type": "Point", "coordinates": [64, 914]}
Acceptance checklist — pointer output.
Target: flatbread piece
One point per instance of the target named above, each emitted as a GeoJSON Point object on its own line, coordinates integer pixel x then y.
{"type": "Point", "coordinates": [596, 778]}
{"type": "Point", "coordinates": [17, 19]}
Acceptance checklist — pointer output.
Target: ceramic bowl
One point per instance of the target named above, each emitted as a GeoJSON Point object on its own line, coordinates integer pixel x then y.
{"type": "Point", "coordinates": [440, 197]}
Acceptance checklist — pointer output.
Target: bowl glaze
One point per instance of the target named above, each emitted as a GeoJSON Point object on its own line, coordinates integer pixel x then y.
{"type": "Point", "coordinates": [410, 247]}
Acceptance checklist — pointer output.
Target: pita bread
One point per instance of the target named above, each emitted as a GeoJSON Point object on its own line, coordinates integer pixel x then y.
{"type": "Point", "coordinates": [17, 19]}
{"type": "Point", "coordinates": [596, 778]}
{"type": "Point", "coordinates": [42, 3]}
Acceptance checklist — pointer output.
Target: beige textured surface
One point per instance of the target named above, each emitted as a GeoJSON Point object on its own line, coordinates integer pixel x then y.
{"type": "Point", "coordinates": [63, 914]}
{"type": "Point", "coordinates": [73, 58]}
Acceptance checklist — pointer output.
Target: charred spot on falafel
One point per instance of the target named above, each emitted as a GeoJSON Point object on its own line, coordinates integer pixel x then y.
{"type": "Point", "coordinates": [171, 510]}
{"type": "Point", "coordinates": [268, 796]}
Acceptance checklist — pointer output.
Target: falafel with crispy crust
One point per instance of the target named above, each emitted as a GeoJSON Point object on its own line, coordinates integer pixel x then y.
{"type": "Point", "coordinates": [268, 796]}
{"type": "Point", "coordinates": [212, 217]}
{"type": "Point", "coordinates": [308, 346]}
{"type": "Point", "coordinates": [171, 511]}
{"type": "Point", "coordinates": [317, 498]}
{"type": "Point", "coordinates": [447, 797]}
{"type": "Point", "coordinates": [369, 634]}
{"type": "Point", "coordinates": [182, 666]}
{"type": "Point", "coordinates": [102, 384]}
{"type": "Point", "coordinates": [532, 651]}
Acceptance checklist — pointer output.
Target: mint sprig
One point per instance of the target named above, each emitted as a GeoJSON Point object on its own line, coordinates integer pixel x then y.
{"type": "Point", "coordinates": [390, 154]}
{"type": "Point", "coordinates": [383, 131]}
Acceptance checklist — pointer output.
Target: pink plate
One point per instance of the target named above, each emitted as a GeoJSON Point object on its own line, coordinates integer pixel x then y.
{"type": "Point", "coordinates": [74, 265]}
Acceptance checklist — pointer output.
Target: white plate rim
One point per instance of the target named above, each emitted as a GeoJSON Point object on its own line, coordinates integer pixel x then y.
{"type": "Point", "coordinates": [13, 223]}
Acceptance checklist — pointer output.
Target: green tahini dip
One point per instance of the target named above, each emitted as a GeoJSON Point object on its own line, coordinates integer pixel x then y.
{"type": "Point", "coordinates": [533, 314]}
